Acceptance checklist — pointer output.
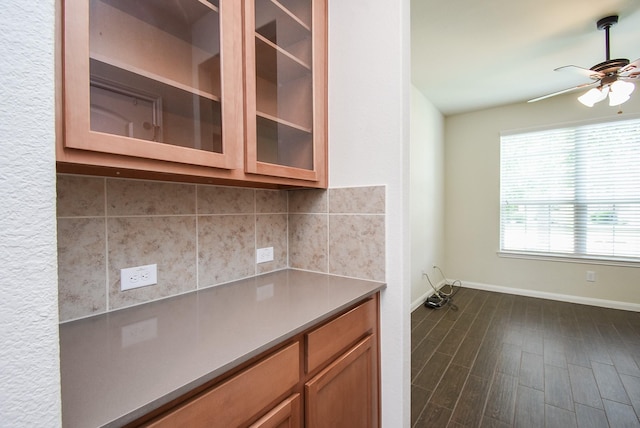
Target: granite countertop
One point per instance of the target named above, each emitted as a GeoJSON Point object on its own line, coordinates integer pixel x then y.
{"type": "Point", "coordinates": [119, 366]}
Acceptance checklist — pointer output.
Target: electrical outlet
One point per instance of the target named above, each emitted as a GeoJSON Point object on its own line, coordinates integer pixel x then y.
{"type": "Point", "coordinates": [139, 276]}
{"type": "Point", "coordinates": [264, 255]}
{"type": "Point", "coordinates": [591, 276]}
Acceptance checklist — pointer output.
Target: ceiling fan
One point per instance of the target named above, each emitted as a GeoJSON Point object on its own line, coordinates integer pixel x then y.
{"type": "Point", "coordinates": [613, 77]}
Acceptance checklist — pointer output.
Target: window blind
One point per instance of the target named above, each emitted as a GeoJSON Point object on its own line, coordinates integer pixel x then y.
{"type": "Point", "coordinates": [573, 191]}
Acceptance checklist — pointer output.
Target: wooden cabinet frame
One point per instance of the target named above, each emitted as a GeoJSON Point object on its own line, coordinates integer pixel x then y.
{"type": "Point", "coordinates": [77, 133]}
{"type": "Point", "coordinates": [82, 151]}
{"type": "Point", "coordinates": [318, 98]}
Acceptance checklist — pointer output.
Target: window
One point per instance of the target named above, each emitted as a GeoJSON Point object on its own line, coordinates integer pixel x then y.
{"type": "Point", "coordinates": [572, 192]}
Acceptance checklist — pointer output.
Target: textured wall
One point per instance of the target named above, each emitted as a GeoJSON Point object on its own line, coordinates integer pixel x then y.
{"type": "Point", "coordinates": [340, 231]}
{"type": "Point", "coordinates": [29, 366]}
{"type": "Point", "coordinates": [200, 236]}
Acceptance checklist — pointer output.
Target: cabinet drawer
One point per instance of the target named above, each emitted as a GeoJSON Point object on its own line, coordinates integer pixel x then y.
{"type": "Point", "coordinates": [336, 336]}
{"type": "Point", "coordinates": [242, 397]}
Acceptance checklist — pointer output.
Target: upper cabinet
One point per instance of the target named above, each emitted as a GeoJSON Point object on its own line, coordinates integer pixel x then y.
{"type": "Point", "coordinates": [206, 90]}
{"type": "Point", "coordinates": [285, 87]}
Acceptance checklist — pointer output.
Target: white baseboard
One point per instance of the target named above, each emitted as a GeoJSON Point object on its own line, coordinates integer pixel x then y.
{"type": "Point", "coordinates": [420, 300]}
{"type": "Point", "coordinates": [613, 304]}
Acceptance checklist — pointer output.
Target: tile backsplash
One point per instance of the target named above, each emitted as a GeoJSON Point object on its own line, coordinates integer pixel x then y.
{"type": "Point", "coordinates": [201, 236]}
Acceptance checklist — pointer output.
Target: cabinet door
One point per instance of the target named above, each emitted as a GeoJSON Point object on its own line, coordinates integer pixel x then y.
{"type": "Point", "coordinates": [285, 415]}
{"type": "Point", "coordinates": [285, 48]}
{"type": "Point", "coordinates": [345, 393]}
{"type": "Point", "coordinates": [154, 79]}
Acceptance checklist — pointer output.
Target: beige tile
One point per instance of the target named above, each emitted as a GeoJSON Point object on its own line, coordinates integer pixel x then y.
{"type": "Point", "coordinates": [81, 267]}
{"type": "Point", "coordinates": [169, 242]}
{"type": "Point", "coordinates": [271, 231]}
{"type": "Point", "coordinates": [225, 200]}
{"type": "Point", "coordinates": [271, 201]}
{"type": "Point", "coordinates": [308, 201]}
{"type": "Point", "coordinates": [80, 196]}
{"type": "Point", "coordinates": [308, 241]}
{"type": "Point", "coordinates": [135, 197]}
{"type": "Point", "coordinates": [357, 246]}
{"type": "Point", "coordinates": [357, 200]}
{"type": "Point", "coordinates": [226, 248]}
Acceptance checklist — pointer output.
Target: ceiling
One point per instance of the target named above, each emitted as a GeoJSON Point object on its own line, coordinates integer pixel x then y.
{"type": "Point", "coordinates": [468, 55]}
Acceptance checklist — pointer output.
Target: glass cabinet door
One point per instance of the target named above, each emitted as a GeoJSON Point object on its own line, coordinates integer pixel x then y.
{"type": "Point", "coordinates": [285, 81]}
{"type": "Point", "coordinates": [147, 79]}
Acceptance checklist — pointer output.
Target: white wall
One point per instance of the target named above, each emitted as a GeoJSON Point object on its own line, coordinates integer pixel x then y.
{"type": "Point", "coordinates": [29, 365]}
{"type": "Point", "coordinates": [369, 101]}
{"type": "Point", "coordinates": [472, 208]}
{"type": "Point", "coordinates": [427, 195]}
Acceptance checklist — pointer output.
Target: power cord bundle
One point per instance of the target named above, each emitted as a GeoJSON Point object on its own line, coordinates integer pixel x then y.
{"type": "Point", "coordinates": [441, 298]}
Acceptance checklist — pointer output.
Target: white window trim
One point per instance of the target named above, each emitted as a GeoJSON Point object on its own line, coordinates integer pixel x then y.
{"type": "Point", "coordinates": [562, 257]}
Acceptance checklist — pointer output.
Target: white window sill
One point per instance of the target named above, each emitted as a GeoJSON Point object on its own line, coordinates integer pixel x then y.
{"type": "Point", "coordinates": [568, 259]}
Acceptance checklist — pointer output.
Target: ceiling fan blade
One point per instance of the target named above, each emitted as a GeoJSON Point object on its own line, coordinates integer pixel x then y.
{"type": "Point", "coordinates": [631, 71]}
{"type": "Point", "coordinates": [564, 91]}
{"type": "Point", "coordinates": [595, 75]}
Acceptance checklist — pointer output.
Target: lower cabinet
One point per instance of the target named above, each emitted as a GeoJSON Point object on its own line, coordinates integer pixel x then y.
{"type": "Point", "coordinates": [342, 395]}
{"type": "Point", "coordinates": [328, 377]}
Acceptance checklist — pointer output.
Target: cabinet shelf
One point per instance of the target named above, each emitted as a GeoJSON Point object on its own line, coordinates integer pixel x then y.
{"type": "Point", "coordinates": [165, 15]}
{"type": "Point", "coordinates": [286, 10]}
{"type": "Point", "coordinates": [276, 64]}
{"type": "Point", "coordinates": [175, 43]}
{"type": "Point", "coordinates": [213, 5]}
{"type": "Point", "coordinates": [284, 143]}
{"type": "Point", "coordinates": [301, 10]}
{"type": "Point", "coordinates": [96, 59]}
{"type": "Point", "coordinates": [283, 122]}
{"type": "Point", "coordinates": [180, 106]}
{"type": "Point", "coordinates": [277, 24]}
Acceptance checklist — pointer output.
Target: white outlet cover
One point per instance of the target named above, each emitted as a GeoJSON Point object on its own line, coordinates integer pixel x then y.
{"type": "Point", "coordinates": [139, 276]}
{"type": "Point", "coordinates": [264, 255]}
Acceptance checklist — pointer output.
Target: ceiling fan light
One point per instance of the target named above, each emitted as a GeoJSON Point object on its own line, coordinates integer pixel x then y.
{"type": "Point", "coordinates": [620, 92]}
{"type": "Point", "coordinates": [593, 96]}
{"type": "Point", "coordinates": [616, 100]}
{"type": "Point", "coordinates": [622, 88]}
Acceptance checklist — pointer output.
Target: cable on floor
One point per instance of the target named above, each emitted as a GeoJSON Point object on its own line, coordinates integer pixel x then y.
{"type": "Point", "coordinates": [442, 296]}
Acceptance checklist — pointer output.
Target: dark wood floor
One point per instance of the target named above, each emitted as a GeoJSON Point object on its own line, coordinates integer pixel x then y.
{"type": "Point", "coordinates": [501, 360]}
